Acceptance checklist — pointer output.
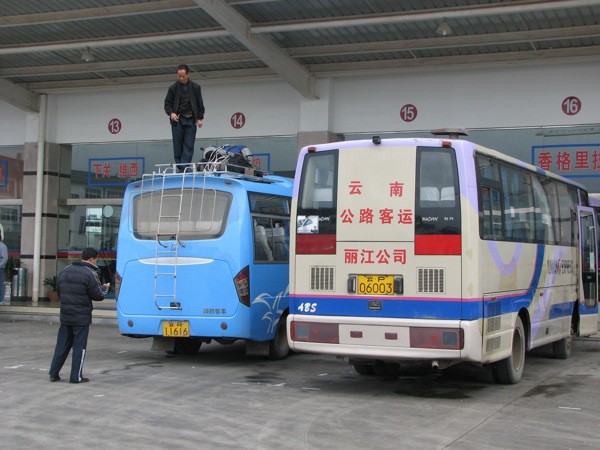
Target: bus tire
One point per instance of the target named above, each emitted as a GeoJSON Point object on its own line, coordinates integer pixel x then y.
{"type": "Point", "coordinates": [386, 369]}
{"type": "Point", "coordinates": [186, 346]}
{"type": "Point", "coordinates": [510, 370]}
{"type": "Point", "coordinates": [279, 347]}
{"type": "Point", "coordinates": [364, 369]}
{"type": "Point", "coordinates": [562, 349]}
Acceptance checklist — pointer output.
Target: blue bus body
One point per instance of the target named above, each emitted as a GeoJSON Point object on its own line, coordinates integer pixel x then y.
{"type": "Point", "coordinates": [195, 283]}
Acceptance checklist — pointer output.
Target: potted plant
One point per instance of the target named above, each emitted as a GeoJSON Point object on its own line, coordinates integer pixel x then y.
{"type": "Point", "coordinates": [11, 263]}
{"type": "Point", "coordinates": [51, 282]}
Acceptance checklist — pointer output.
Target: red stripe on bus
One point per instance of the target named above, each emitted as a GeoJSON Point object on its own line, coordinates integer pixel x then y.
{"type": "Point", "coordinates": [438, 244]}
{"type": "Point", "coordinates": [315, 244]}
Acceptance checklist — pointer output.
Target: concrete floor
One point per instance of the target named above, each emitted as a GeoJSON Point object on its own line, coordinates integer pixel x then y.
{"type": "Point", "coordinates": [222, 399]}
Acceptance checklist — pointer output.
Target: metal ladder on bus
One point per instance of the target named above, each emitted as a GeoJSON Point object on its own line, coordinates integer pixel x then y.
{"type": "Point", "coordinates": [169, 251]}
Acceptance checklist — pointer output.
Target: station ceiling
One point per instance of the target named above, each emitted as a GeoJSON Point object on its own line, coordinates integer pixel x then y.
{"type": "Point", "coordinates": [67, 44]}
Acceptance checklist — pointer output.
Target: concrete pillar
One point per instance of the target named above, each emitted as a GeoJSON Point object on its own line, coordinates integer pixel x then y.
{"type": "Point", "coordinates": [317, 137]}
{"type": "Point", "coordinates": [50, 213]}
{"type": "Point", "coordinates": [316, 116]}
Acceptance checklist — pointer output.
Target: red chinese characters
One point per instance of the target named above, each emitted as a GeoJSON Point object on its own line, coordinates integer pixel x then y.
{"type": "Point", "coordinates": [128, 169]}
{"type": "Point", "coordinates": [368, 256]}
{"type": "Point", "coordinates": [568, 160]}
{"type": "Point", "coordinates": [386, 216]}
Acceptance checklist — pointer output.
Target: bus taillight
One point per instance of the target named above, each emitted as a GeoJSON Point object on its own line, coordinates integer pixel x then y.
{"type": "Point", "coordinates": [315, 332]}
{"type": "Point", "coordinates": [438, 244]}
{"type": "Point", "coordinates": [446, 338]}
{"type": "Point", "coordinates": [118, 281]}
{"type": "Point", "coordinates": [315, 244]}
{"type": "Point", "coordinates": [242, 285]}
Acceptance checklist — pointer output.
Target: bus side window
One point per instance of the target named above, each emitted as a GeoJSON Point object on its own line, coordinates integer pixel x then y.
{"type": "Point", "coordinates": [262, 248]}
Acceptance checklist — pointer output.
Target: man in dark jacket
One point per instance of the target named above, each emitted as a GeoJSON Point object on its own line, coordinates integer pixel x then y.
{"type": "Point", "coordinates": [185, 108]}
{"type": "Point", "coordinates": [77, 285]}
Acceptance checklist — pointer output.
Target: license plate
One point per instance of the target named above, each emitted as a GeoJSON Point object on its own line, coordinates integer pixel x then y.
{"type": "Point", "coordinates": [375, 285]}
{"type": "Point", "coordinates": [180, 328]}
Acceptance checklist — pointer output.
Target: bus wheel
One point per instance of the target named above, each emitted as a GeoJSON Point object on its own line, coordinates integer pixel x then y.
{"type": "Point", "coordinates": [386, 369]}
{"type": "Point", "coordinates": [186, 346]}
{"type": "Point", "coordinates": [510, 370]}
{"type": "Point", "coordinates": [562, 349]}
{"type": "Point", "coordinates": [279, 347]}
{"type": "Point", "coordinates": [364, 369]}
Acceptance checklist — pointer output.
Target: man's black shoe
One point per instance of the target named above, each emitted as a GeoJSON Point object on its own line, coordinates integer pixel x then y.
{"type": "Point", "coordinates": [83, 380]}
{"type": "Point", "coordinates": [53, 379]}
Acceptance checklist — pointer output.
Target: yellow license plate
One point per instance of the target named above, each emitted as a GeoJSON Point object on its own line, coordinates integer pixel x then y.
{"type": "Point", "coordinates": [375, 285]}
{"type": "Point", "coordinates": [180, 328]}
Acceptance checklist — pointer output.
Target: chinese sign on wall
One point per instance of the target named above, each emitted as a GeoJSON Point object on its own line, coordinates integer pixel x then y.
{"type": "Point", "coordinates": [114, 171]}
{"type": "Point", "coordinates": [572, 161]}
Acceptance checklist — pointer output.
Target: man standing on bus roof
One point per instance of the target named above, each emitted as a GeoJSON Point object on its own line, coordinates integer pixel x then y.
{"type": "Point", "coordinates": [77, 285]}
{"type": "Point", "coordinates": [185, 108]}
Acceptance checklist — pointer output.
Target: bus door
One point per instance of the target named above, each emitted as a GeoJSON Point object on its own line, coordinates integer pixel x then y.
{"type": "Point", "coordinates": [588, 302]}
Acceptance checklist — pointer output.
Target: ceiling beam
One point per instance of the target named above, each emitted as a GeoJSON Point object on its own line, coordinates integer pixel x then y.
{"type": "Point", "coordinates": [103, 12]}
{"type": "Point", "coordinates": [506, 8]}
{"type": "Point", "coordinates": [347, 69]}
{"type": "Point", "coordinates": [113, 42]}
{"type": "Point", "coordinates": [591, 53]}
{"type": "Point", "coordinates": [261, 46]}
{"type": "Point", "coordinates": [111, 66]}
{"type": "Point", "coordinates": [216, 75]}
{"type": "Point", "coordinates": [459, 12]}
{"type": "Point", "coordinates": [448, 42]}
{"type": "Point", "coordinates": [316, 51]}
{"type": "Point", "coordinates": [19, 96]}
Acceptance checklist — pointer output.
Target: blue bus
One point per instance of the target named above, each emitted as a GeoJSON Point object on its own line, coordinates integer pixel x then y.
{"type": "Point", "coordinates": [204, 255]}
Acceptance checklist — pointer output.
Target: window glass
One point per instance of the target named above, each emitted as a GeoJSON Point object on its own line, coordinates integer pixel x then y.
{"type": "Point", "coordinates": [490, 195]}
{"type": "Point", "coordinates": [203, 214]}
{"type": "Point", "coordinates": [271, 222]}
{"type": "Point", "coordinates": [491, 213]}
{"type": "Point", "coordinates": [552, 196]}
{"type": "Point", "coordinates": [544, 230]}
{"type": "Point", "coordinates": [518, 204]}
{"type": "Point", "coordinates": [318, 188]}
{"type": "Point", "coordinates": [566, 212]}
{"type": "Point", "coordinates": [438, 186]}
{"type": "Point", "coordinates": [437, 193]}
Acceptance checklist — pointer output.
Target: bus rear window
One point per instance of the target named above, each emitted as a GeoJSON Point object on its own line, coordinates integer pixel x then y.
{"type": "Point", "coordinates": [203, 214]}
{"type": "Point", "coordinates": [438, 206]}
{"type": "Point", "coordinates": [318, 187]}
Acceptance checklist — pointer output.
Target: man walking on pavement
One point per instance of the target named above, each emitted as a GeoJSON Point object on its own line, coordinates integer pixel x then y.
{"type": "Point", "coordinates": [77, 285]}
{"type": "Point", "coordinates": [185, 108]}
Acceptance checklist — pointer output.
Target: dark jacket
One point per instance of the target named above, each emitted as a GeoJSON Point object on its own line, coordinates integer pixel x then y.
{"type": "Point", "coordinates": [77, 285]}
{"type": "Point", "coordinates": [172, 100]}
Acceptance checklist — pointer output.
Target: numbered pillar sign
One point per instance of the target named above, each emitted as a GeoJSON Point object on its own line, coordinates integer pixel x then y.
{"type": "Point", "coordinates": [408, 113]}
{"type": "Point", "coordinates": [238, 120]}
{"type": "Point", "coordinates": [571, 106]}
{"type": "Point", "coordinates": [114, 126]}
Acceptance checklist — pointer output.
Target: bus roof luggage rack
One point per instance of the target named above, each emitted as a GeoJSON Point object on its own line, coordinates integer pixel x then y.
{"type": "Point", "coordinates": [211, 169]}
{"type": "Point", "coordinates": [452, 133]}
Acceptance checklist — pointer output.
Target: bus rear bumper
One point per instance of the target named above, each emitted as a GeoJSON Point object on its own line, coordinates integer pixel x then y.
{"type": "Point", "coordinates": [386, 338]}
{"type": "Point", "coordinates": [204, 327]}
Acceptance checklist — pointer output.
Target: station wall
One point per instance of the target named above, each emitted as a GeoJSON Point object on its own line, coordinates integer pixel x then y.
{"type": "Point", "coordinates": [491, 97]}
